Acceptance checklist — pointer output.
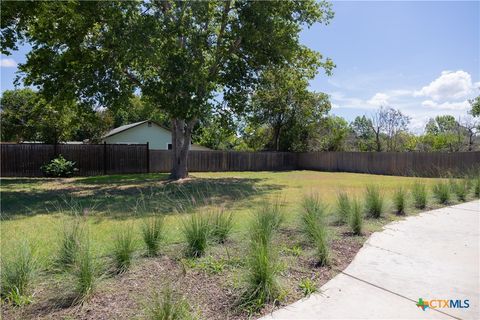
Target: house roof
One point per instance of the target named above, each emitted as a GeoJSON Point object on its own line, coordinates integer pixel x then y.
{"type": "Point", "coordinates": [129, 126]}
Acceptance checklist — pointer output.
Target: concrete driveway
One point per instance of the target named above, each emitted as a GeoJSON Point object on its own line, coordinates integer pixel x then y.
{"type": "Point", "coordinates": [433, 256]}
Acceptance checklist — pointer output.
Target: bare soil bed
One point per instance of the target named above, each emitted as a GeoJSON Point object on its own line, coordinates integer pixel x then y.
{"type": "Point", "coordinates": [211, 284]}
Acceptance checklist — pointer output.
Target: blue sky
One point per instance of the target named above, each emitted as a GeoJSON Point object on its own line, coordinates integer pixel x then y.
{"type": "Point", "coordinates": [419, 57]}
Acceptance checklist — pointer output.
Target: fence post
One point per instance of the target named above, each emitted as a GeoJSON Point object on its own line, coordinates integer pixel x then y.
{"type": "Point", "coordinates": [148, 157]}
{"type": "Point", "coordinates": [104, 157]}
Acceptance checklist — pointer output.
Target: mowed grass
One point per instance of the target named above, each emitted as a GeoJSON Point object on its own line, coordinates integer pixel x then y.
{"type": "Point", "coordinates": [36, 210]}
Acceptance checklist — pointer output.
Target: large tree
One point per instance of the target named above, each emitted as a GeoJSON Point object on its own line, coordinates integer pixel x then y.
{"type": "Point", "coordinates": [364, 135]}
{"type": "Point", "coordinates": [26, 116]}
{"type": "Point", "coordinates": [444, 133]}
{"type": "Point", "coordinates": [178, 54]}
{"type": "Point", "coordinates": [475, 103]}
{"type": "Point", "coordinates": [387, 123]}
{"type": "Point", "coordinates": [283, 102]}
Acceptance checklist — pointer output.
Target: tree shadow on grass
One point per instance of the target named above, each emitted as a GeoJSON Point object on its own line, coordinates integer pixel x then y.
{"type": "Point", "coordinates": [127, 196]}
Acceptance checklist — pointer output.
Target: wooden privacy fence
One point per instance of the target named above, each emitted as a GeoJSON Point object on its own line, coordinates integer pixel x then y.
{"type": "Point", "coordinates": [423, 164]}
{"type": "Point", "coordinates": [25, 160]}
{"type": "Point", "coordinates": [161, 161]}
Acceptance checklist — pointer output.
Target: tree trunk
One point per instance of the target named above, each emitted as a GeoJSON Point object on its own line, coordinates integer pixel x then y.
{"type": "Point", "coordinates": [181, 139]}
{"type": "Point", "coordinates": [277, 138]}
{"type": "Point", "coordinates": [377, 141]}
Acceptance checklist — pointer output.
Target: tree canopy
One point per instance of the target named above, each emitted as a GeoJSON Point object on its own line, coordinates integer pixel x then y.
{"type": "Point", "coordinates": [26, 116]}
{"type": "Point", "coordinates": [180, 55]}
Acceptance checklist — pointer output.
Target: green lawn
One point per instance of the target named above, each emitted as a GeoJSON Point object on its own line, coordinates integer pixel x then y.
{"type": "Point", "coordinates": [36, 209]}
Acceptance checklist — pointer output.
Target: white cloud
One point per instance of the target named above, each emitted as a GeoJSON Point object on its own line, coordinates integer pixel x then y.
{"type": "Point", "coordinates": [7, 63]}
{"type": "Point", "coordinates": [458, 106]}
{"type": "Point", "coordinates": [379, 99]}
{"type": "Point", "coordinates": [341, 101]}
{"type": "Point", "coordinates": [449, 86]}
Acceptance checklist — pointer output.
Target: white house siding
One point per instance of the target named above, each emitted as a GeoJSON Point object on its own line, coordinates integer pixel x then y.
{"type": "Point", "coordinates": [157, 137]}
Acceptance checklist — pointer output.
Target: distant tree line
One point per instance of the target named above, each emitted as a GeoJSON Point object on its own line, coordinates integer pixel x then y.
{"type": "Point", "coordinates": [282, 115]}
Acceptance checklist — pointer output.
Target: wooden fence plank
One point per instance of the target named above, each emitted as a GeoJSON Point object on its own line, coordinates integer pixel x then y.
{"type": "Point", "coordinates": [25, 160]}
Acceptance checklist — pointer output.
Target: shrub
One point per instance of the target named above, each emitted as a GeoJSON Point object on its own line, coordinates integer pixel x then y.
{"type": "Point", "coordinates": [222, 224]}
{"type": "Point", "coordinates": [314, 227]}
{"type": "Point", "coordinates": [307, 286]}
{"type": "Point", "coordinates": [71, 239]}
{"type": "Point", "coordinates": [373, 202]}
{"type": "Point", "coordinates": [262, 277]}
{"type": "Point", "coordinates": [123, 250]}
{"type": "Point", "coordinates": [59, 167]}
{"type": "Point", "coordinates": [85, 273]}
{"type": "Point", "coordinates": [196, 230]}
{"type": "Point", "coordinates": [419, 194]}
{"type": "Point", "coordinates": [400, 201]}
{"type": "Point", "coordinates": [153, 234]}
{"type": "Point", "coordinates": [441, 191]}
{"type": "Point", "coordinates": [17, 275]}
{"type": "Point", "coordinates": [343, 207]}
{"type": "Point", "coordinates": [168, 306]}
{"type": "Point", "coordinates": [356, 218]}
{"type": "Point", "coordinates": [267, 219]}
{"type": "Point", "coordinates": [460, 188]}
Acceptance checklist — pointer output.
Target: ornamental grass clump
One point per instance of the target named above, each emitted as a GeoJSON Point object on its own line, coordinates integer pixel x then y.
{"type": "Point", "coordinates": [153, 233]}
{"type": "Point", "coordinates": [70, 241]}
{"type": "Point", "coordinates": [419, 195]}
{"type": "Point", "coordinates": [374, 204]}
{"type": "Point", "coordinates": [263, 268]}
{"type": "Point", "coordinates": [314, 227]}
{"type": "Point", "coordinates": [196, 230]}
{"type": "Point", "coordinates": [222, 224]}
{"type": "Point", "coordinates": [266, 220]}
{"type": "Point", "coordinates": [262, 284]}
{"type": "Point", "coordinates": [441, 192]}
{"type": "Point", "coordinates": [476, 187]}
{"type": "Point", "coordinates": [18, 273]}
{"type": "Point", "coordinates": [168, 305]}
{"type": "Point", "coordinates": [460, 189]}
{"type": "Point", "coordinates": [343, 208]}
{"type": "Point", "coordinates": [400, 201]}
{"type": "Point", "coordinates": [85, 272]}
{"type": "Point", "coordinates": [123, 250]}
{"type": "Point", "coordinates": [356, 217]}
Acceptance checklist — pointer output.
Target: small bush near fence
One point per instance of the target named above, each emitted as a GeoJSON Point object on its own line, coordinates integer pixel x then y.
{"type": "Point", "coordinates": [59, 167]}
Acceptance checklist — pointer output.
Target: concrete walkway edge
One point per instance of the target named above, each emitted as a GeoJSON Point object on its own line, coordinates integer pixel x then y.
{"type": "Point", "coordinates": [434, 255]}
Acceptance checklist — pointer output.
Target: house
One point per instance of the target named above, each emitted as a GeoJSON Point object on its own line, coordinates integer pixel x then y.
{"type": "Point", "coordinates": [157, 136]}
